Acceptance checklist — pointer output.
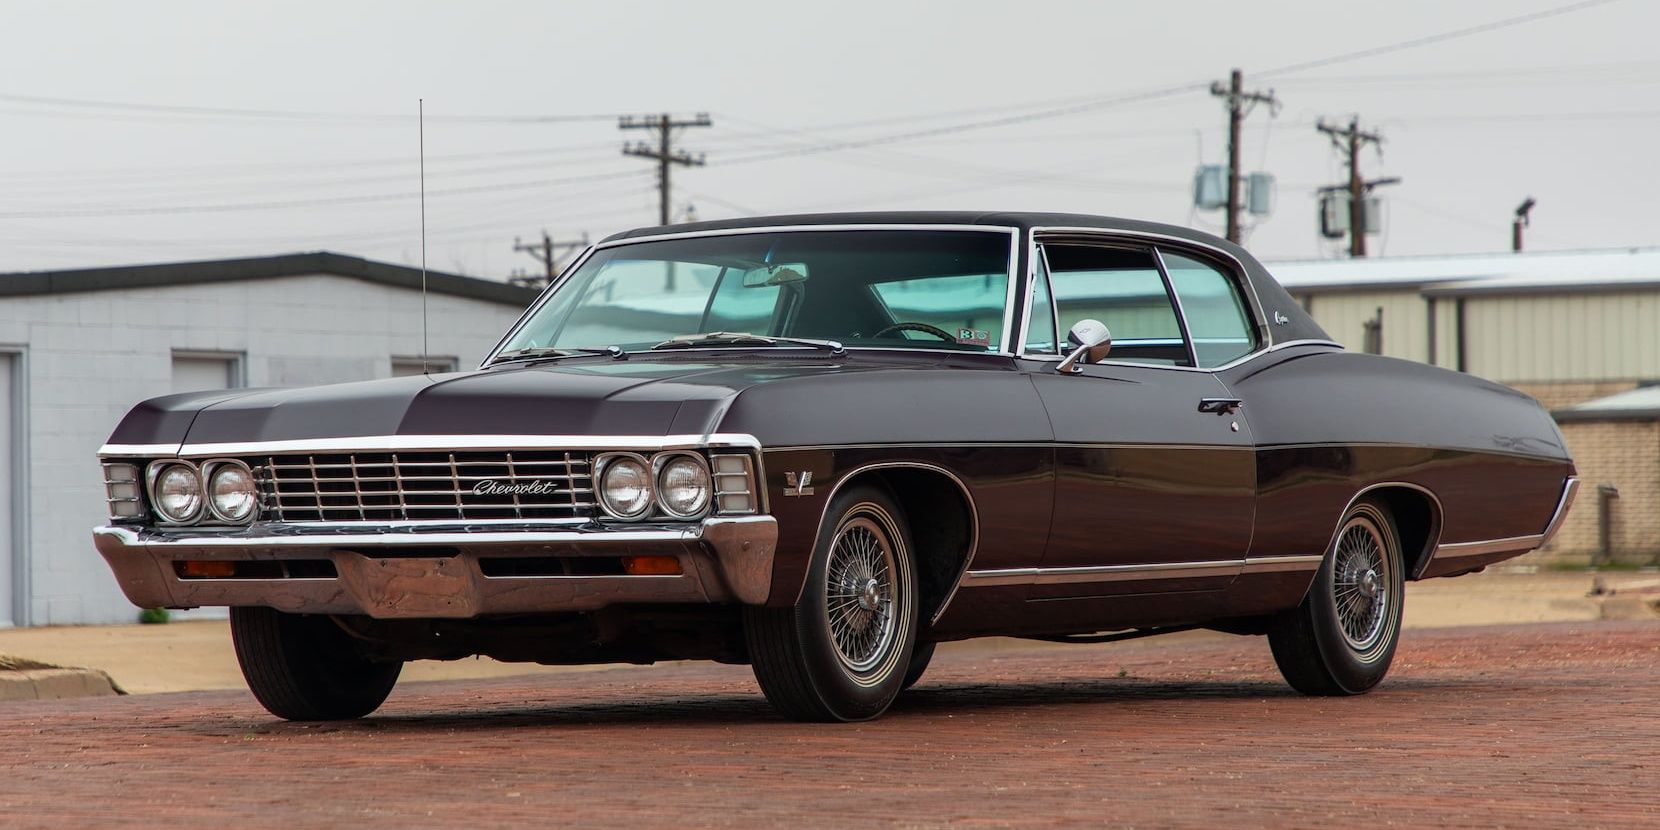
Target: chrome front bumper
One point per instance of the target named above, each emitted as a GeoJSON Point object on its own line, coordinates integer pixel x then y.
{"type": "Point", "coordinates": [403, 570]}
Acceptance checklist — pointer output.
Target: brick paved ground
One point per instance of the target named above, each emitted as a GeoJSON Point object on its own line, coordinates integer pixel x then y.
{"type": "Point", "coordinates": [1520, 726]}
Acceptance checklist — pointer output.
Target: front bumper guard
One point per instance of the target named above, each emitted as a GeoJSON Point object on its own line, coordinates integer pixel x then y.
{"type": "Point", "coordinates": [406, 571]}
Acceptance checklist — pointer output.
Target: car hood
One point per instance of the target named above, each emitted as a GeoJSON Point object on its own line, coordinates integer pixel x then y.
{"type": "Point", "coordinates": [672, 395]}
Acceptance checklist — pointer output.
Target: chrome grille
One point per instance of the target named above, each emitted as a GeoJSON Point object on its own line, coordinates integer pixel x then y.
{"type": "Point", "coordinates": [417, 486]}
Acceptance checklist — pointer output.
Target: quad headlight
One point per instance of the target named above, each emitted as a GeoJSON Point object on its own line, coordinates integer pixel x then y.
{"type": "Point", "coordinates": [676, 484]}
{"type": "Point", "coordinates": [176, 492]}
{"type": "Point", "coordinates": [683, 489]}
{"type": "Point", "coordinates": [625, 489]}
{"type": "Point", "coordinates": [231, 496]}
{"type": "Point", "coordinates": [221, 491]}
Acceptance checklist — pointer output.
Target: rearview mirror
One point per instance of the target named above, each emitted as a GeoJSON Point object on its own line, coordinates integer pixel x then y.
{"type": "Point", "coordinates": [1090, 341]}
{"type": "Point", "coordinates": [780, 274]}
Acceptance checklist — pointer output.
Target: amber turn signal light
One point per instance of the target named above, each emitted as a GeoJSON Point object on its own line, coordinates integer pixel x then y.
{"type": "Point", "coordinates": [206, 569]}
{"type": "Point", "coordinates": [651, 565]}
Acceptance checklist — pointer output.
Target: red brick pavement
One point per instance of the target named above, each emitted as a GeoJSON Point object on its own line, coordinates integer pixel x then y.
{"type": "Point", "coordinates": [1521, 726]}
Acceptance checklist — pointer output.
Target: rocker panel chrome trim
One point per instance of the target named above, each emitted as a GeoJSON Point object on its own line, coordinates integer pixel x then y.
{"type": "Point", "coordinates": [1102, 573]}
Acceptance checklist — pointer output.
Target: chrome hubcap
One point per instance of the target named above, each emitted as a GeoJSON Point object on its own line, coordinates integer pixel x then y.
{"type": "Point", "coordinates": [1369, 584]}
{"type": "Point", "coordinates": [860, 595]}
{"type": "Point", "coordinates": [1361, 580]}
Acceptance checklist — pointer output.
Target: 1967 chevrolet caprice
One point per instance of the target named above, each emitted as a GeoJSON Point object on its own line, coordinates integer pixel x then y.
{"type": "Point", "coordinates": [822, 444]}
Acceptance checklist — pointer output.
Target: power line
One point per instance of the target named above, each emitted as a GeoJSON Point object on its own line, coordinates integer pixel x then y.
{"type": "Point", "coordinates": [297, 115]}
{"type": "Point", "coordinates": [1426, 40]}
{"type": "Point", "coordinates": [106, 210]}
{"type": "Point", "coordinates": [150, 171]}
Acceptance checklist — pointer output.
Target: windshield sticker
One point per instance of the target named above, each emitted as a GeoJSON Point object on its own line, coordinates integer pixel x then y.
{"type": "Point", "coordinates": [974, 337]}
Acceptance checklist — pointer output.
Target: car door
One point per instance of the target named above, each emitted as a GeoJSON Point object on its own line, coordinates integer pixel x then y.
{"type": "Point", "coordinates": [1155, 469]}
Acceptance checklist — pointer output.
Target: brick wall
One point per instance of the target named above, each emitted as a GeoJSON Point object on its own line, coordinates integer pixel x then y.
{"type": "Point", "coordinates": [1625, 454]}
{"type": "Point", "coordinates": [1563, 394]}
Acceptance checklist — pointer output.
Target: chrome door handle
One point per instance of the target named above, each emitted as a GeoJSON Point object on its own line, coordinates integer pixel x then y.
{"type": "Point", "coordinates": [1220, 406]}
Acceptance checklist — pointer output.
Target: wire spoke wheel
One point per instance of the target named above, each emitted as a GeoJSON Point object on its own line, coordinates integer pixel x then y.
{"type": "Point", "coordinates": [860, 595]}
{"type": "Point", "coordinates": [1362, 586]}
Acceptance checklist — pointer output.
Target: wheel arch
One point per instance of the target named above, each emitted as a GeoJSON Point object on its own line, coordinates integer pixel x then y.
{"type": "Point", "coordinates": [944, 524]}
{"type": "Point", "coordinates": [1417, 513]}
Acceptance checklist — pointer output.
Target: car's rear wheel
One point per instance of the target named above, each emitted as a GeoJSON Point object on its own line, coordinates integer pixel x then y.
{"type": "Point", "coordinates": [304, 667]}
{"type": "Point", "coordinates": [1341, 639]}
{"type": "Point", "coordinates": [842, 653]}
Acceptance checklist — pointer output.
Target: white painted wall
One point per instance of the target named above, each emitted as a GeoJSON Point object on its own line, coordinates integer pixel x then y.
{"type": "Point", "coordinates": [9, 512]}
{"type": "Point", "coordinates": [92, 355]}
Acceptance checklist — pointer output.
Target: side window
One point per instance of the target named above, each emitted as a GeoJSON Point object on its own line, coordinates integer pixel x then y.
{"type": "Point", "coordinates": [1122, 288]}
{"type": "Point", "coordinates": [1216, 313]}
{"type": "Point", "coordinates": [1040, 314]}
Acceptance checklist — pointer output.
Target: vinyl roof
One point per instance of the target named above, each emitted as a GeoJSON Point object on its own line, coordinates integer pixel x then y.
{"type": "Point", "coordinates": [1528, 272]}
{"type": "Point", "coordinates": [253, 268]}
{"type": "Point", "coordinates": [991, 219]}
{"type": "Point", "coordinates": [1642, 403]}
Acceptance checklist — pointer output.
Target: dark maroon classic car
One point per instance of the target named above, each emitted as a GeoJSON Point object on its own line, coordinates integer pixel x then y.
{"type": "Point", "coordinates": [822, 444]}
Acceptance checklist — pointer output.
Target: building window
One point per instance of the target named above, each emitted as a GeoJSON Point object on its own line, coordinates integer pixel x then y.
{"type": "Point", "coordinates": [196, 371]}
{"type": "Point", "coordinates": [406, 366]}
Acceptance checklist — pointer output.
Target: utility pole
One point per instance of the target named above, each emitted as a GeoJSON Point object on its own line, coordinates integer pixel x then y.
{"type": "Point", "coordinates": [547, 252]}
{"type": "Point", "coordinates": [1522, 220]}
{"type": "Point", "coordinates": [1239, 103]}
{"type": "Point", "coordinates": [663, 153]}
{"type": "Point", "coordinates": [1349, 141]}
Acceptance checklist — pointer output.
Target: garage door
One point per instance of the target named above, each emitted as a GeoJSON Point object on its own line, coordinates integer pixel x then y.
{"type": "Point", "coordinates": [10, 515]}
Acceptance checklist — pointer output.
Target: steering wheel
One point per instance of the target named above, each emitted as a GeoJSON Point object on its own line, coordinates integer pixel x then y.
{"type": "Point", "coordinates": [922, 327]}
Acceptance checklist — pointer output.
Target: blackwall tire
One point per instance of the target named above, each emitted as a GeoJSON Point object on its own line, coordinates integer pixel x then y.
{"type": "Point", "coordinates": [305, 668]}
{"type": "Point", "coordinates": [842, 653]}
{"type": "Point", "coordinates": [921, 655]}
{"type": "Point", "coordinates": [1342, 638]}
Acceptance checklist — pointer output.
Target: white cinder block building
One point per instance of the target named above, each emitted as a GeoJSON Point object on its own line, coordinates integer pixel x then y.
{"type": "Point", "coordinates": [77, 348]}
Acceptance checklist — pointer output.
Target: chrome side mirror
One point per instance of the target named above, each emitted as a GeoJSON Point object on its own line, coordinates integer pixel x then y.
{"type": "Point", "coordinates": [1090, 343]}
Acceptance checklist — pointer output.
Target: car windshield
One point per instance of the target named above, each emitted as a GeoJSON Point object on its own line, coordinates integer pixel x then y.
{"type": "Point", "coordinates": [923, 289]}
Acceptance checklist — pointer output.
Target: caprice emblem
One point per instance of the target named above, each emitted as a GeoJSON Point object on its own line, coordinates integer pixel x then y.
{"type": "Point", "coordinates": [798, 484]}
{"type": "Point", "coordinates": [493, 487]}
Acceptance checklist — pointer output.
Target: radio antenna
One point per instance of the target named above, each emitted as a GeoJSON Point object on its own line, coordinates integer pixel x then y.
{"type": "Point", "coordinates": [421, 137]}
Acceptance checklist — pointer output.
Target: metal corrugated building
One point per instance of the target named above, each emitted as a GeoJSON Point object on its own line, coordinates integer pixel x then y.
{"type": "Point", "coordinates": [1529, 318]}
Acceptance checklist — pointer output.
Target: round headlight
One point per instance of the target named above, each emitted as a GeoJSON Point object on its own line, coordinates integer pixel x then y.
{"type": "Point", "coordinates": [625, 487]}
{"type": "Point", "coordinates": [683, 487]}
{"type": "Point", "coordinates": [231, 494]}
{"type": "Point", "coordinates": [178, 493]}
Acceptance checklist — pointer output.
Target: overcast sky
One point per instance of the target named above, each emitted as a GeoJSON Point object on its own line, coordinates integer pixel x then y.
{"type": "Point", "coordinates": [103, 161]}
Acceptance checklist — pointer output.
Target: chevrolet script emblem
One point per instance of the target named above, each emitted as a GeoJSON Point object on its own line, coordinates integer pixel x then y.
{"type": "Point", "coordinates": [534, 487]}
{"type": "Point", "coordinates": [798, 484]}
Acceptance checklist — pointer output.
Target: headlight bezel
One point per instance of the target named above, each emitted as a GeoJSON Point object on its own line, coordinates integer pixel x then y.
{"type": "Point", "coordinates": [152, 482]}
{"type": "Point", "coordinates": [210, 473]}
{"type": "Point", "coordinates": [660, 464]}
{"type": "Point", "coordinates": [603, 465]}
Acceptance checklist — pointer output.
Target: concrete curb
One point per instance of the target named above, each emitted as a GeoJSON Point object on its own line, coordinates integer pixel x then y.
{"type": "Point", "coordinates": [24, 679]}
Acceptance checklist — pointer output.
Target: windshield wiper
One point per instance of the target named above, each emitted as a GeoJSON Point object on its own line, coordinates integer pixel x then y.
{"type": "Point", "coordinates": [541, 352]}
{"type": "Point", "coordinates": [739, 338]}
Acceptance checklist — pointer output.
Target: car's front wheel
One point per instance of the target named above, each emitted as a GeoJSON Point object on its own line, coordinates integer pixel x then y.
{"type": "Point", "coordinates": [1341, 639]}
{"type": "Point", "coordinates": [842, 653]}
{"type": "Point", "coordinates": [305, 667]}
